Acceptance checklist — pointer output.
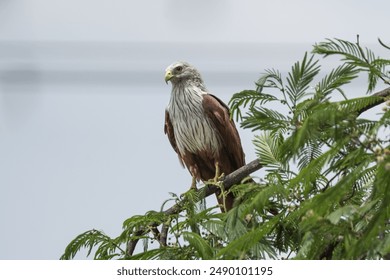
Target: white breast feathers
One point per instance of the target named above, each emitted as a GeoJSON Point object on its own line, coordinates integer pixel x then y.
{"type": "Point", "coordinates": [192, 127]}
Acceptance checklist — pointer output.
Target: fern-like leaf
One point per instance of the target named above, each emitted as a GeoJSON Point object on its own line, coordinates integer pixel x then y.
{"type": "Point", "coordinates": [300, 77]}
{"type": "Point", "coordinates": [248, 98]}
{"type": "Point", "coordinates": [200, 246]}
{"type": "Point", "coordinates": [89, 239]}
{"type": "Point", "coordinates": [338, 77]}
{"type": "Point", "coordinates": [356, 56]}
{"type": "Point", "coordinates": [270, 79]}
{"type": "Point", "coordinates": [239, 248]}
{"type": "Point", "coordinates": [262, 118]}
{"type": "Point", "coordinates": [267, 149]}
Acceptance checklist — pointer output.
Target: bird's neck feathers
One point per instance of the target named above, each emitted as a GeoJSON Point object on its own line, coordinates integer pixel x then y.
{"type": "Point", "coordinates": [188, 91]}
{"type": "Point", "coordinates": [185, 97]}
{"type": "Point", "coordinates": [194, 82]}
{"type": "Point", "coordinates": [197, 82]}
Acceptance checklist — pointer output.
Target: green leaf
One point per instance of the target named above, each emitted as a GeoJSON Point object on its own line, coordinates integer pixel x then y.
{"type": "Point", "coordinates": [270, 79]}
{"type": "Point", "coordinates": [262, 118]}
{"type": "Point", "coordinates": [89, 239]}
{"type": "Point", "coordinates": [300, 77]}
{"type": "Point", "coordinates": [338, 77]}
{"type": "Point", "coordinates": [342, 213]}
{"type": "Point", "coordinates": [201, 247]}
{"type": "Point", "coordinates": [248, 98]}
{"type": "Point", "coordinates": [354, 55]}
{"type": "Point", "coordinates": [267, 148]}
{"type": "Point", "coordinates": [238, 248]}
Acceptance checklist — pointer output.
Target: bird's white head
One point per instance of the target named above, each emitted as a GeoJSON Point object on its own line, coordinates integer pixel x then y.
{"type": "Point", "coordinates": [182, 72]}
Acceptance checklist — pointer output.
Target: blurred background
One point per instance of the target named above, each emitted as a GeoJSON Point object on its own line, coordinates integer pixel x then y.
{"type": "Point", "coordinates": [82, 98]}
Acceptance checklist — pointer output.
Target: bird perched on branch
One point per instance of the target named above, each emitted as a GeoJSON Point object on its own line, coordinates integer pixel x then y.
{"type": "Point", "coordinates": [200, 129]}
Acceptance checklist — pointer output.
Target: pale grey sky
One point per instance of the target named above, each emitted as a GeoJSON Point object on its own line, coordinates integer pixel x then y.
{"type": "Point", "coordinates": [82, 99]}
{"type": "Point", "coordinates": [192, 20]}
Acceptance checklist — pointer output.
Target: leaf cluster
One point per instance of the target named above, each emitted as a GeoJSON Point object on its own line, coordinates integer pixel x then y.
{"type": "Point", "coordinates": [333, 163]}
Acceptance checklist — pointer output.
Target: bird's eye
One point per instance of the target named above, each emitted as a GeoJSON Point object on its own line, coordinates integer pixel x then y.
{"type": "Point", "coordinates": [179, 68]}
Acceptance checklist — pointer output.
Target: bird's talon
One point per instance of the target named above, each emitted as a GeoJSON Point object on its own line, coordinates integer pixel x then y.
{"type": "Point", "coordinates": [218, 176]}
{"type": "Point", "coordinates": [221, 177]}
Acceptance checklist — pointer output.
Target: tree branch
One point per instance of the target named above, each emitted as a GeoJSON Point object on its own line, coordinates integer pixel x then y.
{"type": "Point", "coordinates": [233, 178]}
{"type": "Point", "coordinates": [383, 94]}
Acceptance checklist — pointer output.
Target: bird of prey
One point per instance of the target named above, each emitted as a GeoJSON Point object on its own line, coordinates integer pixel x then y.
{"type": "Point", "coordinates": [200, 129]}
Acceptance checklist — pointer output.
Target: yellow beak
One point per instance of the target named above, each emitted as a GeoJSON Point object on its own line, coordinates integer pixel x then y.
{"type": "Point", "coordinates": [168, 76]}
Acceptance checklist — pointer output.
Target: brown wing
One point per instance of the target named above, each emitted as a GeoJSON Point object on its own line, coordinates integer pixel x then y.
{"type": "Point", "coordinates": [218, 112]}
{"type": "Point", "coordinates": [168, 129]}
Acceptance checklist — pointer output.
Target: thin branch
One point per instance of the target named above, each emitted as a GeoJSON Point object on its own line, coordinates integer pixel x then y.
{"type": "Point", "coordinates": [383, 94]}
{"type": "Point", "coordinates": [233, 178]}
{"type": "Point", "coordinates": [383, 44]}
{"type": "Point", "coordinates": [164, 234]}
{"type": "Point", "coordinates": [155, 232]}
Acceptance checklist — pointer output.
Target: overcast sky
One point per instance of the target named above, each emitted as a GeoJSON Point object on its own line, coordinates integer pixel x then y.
{"type": "Point", "coordinates": [192, 20]}
{"type": "Point", "coordinates": [82, 99]}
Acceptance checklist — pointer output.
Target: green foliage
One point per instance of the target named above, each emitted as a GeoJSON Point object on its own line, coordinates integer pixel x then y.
{"type": "Point", "coordinates": [325, 193]}
{"type": "Point", "coordinates": [106, 248]}
{"type": "Point", "coordinates": [361, 58]}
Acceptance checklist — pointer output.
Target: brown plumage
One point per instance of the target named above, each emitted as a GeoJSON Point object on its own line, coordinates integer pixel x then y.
{"type": "Point", "coordinates": [200, 129]}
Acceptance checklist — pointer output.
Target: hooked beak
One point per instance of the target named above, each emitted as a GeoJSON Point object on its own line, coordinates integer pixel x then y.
{"type": "Point", "coordinates": [168, 76]}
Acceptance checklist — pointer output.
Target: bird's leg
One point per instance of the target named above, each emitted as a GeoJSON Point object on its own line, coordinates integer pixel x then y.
{"type": "Point", "coordinates": [193, 183]}
{"type": "Point", "coordinates": [225, 199]}
{"type": "Point", "coordinates": [218, 176]}
{"type": "Point", "coordinates": [192, 187]}
{"type": "Point", "coordinates": [194, 173]}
